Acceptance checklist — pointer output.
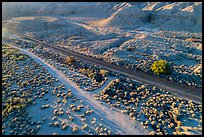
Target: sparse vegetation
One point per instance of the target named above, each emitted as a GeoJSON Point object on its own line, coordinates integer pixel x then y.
{"type": "Point", "coordinates": [34, 101]}
{"type": "Point", "coordinates": [152, 107]}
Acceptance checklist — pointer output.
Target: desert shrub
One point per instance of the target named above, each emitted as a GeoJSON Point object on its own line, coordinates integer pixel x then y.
{"type": "Point", "coordinates": [88, 72]}
{"type": "Point", "coordinates": [20, 57]}
{"type": "Point", "coordinates": [160, 67]}
{"type": "Point", "coordinates": [15, 103]}
{"type": "Point", "coordinates": [191, 40]}
{"type": "Point", "coordinates": [70, 60]}
{"type": "Point", "coordinates": [104, 72]}
{"type": "Point", "coordinates": [82, 70]}
{"type": "Point", "coordinates": [91, 74]}
{"type": "Point", "coordinates": [97, 75]}
{"type": "Point", "coordinates": [130, 48]}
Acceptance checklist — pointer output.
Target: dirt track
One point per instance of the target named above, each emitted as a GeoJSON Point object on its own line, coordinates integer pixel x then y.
{"type": "Point", "coordinates": [194, 94]}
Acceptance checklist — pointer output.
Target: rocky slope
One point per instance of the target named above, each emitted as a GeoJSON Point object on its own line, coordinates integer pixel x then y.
{"type": "Point", "coordinates": [178, 16]}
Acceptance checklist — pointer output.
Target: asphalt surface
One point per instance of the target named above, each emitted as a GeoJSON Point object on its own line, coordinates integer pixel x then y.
{"type": "Point", "coordinates": [184, 91]}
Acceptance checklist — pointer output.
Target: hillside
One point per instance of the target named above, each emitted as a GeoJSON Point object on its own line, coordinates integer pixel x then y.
{"type": "Point", "coordinates": [181, 16]}
{"type": "Point", "coordinates": [125, 16]}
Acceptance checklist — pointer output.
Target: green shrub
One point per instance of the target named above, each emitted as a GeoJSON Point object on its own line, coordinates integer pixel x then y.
{"type": "Point", "coordinates": [160, 67]}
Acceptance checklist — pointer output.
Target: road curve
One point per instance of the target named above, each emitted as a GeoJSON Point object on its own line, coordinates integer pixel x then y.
{"type": "Point", "coordinates": [124, 126]}
{"type": "Point", "coordinates": [194, 94]}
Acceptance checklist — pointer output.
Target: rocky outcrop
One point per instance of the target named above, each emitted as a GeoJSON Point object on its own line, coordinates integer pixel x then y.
{"type": "Point", "coordinates": [126, 16]}
{"type": "Point", "coordinates": [179, 16]}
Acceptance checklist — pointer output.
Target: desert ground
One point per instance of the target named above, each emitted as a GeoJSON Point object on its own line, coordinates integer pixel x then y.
{"type": "Point", "coordinates": [46, 91]}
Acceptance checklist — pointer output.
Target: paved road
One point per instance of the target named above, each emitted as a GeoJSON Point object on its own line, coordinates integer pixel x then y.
{"type": "Point", "coordinates": [194, 94]}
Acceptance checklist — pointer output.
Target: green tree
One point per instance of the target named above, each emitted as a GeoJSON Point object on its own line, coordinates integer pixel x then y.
{"type": "Point", "coordinates": [160, 67]}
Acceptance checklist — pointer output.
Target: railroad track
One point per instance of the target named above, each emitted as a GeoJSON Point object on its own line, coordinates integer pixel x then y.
{"type": "Point", "coordinates": [192, 93]}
